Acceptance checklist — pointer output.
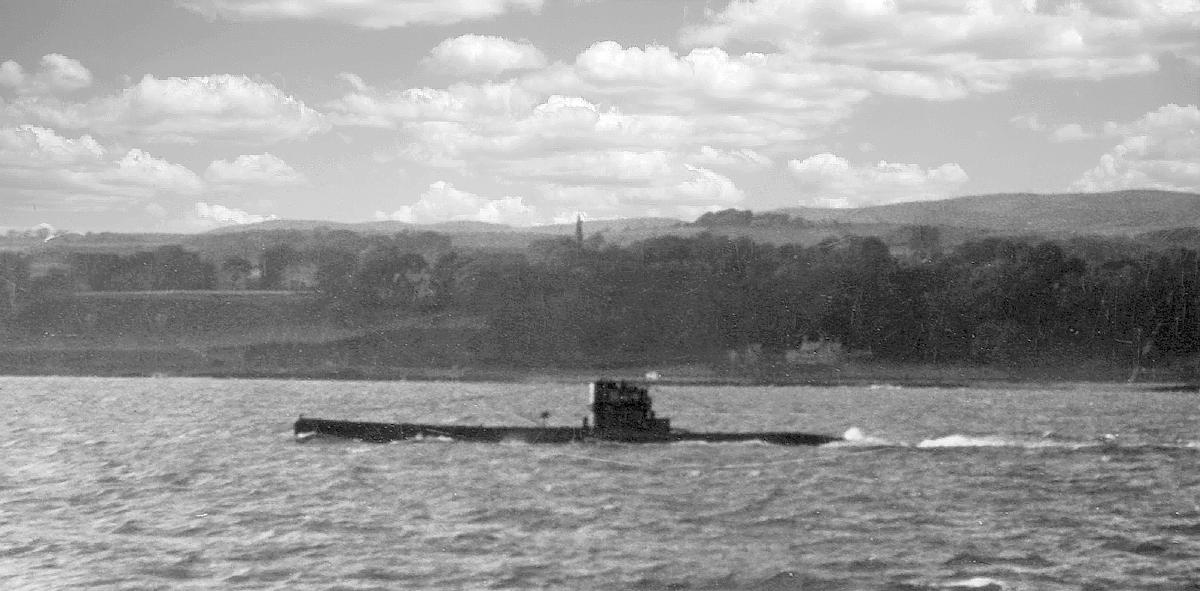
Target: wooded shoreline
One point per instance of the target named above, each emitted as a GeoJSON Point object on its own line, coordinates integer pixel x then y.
{"type": "Point", "coordinates": [152, 364]}
{"type": "Point", "coordinates": [713, 296]}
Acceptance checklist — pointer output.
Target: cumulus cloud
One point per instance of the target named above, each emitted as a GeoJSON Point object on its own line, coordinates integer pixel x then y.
{"type": "Point", "coordinates": [682, 191]}
{"type": "Point", "coordinates": [261, 170]}
{"type": "Point", "coordinates": [42, 166]}
{"type": "Point", "coordinates": [140, 169]}
{"type": "Point", "coordinates": [950, 48]}
{"type": "Point", "coordinates": [685, 195]}
{"type": "Point", "coordinates": [221, 215]}
{"type": "Point", "coordinates": [1161, 150]}
{"type": "Point", "coordinates": [42, 169]}
{"type": "Point", "coordinates": [58, 73]}
{"type": "Point", "coordinates": [708, 188]}
{"type": "Point", "coordinates": [729, 98]}
{"type": "Point", "coordinates": [1028, 121]}
{"type": "Point", "coordinates": [656, 76]}
{"type": "Point", "coordinates": [1071, 132]}
{"type": "Point", "coordinates": [621, 167]}
{"type": "Point", "coordinates": [710, 108]}
{"type": "Point", "coordinates": [370, 14]}
{"type": "Point", "coordinates": [180, 110]}
{"type": "Point", "coordinates": [741, 159]}
{"type": "Point", "coordinates": [442, 203]}
{"type": "Point", "coordinates": [564, 133]}
{"type": "Point", "coordinates": [369, 107]}
{"type": "Point", "coordinates": [1068, 132]}
{"type": "Point", "coordinates": [483, 55]}
{"type": "Point", "coordinates": [831, 181]}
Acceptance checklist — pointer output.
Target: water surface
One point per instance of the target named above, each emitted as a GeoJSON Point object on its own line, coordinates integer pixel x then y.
{"type": "Point", "coordinates": [197, 483]}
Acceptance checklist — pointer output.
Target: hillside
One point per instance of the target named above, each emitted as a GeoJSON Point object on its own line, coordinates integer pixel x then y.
{"type": "Point", "coordinates": [1125, 213]}
{"type": "Point", "coordinates": [1121, 213]}
{"type": "Point", "coordinates": [1158, 218]}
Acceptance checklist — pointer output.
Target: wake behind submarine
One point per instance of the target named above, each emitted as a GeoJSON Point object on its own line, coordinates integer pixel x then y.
{"type": "Point", "coordinates": [621, 412]}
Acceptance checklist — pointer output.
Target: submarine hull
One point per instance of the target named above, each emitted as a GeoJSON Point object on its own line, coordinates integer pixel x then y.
{"type": "Point", "coordinates": [386, 432]}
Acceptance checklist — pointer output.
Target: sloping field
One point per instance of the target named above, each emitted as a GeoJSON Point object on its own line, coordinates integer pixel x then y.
{"type": "Point", "coordinates": [125, 318]}
{"type": "Point", "coordinates": [222, 332]}
{"type": "Point", "coordinates": [1116, 213]}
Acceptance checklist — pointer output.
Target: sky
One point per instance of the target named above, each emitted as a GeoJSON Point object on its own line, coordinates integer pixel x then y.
{"type": "Point", "coordinates": [187, 115]}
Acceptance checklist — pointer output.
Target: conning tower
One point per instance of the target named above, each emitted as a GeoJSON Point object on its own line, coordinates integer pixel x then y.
{"type": "Point", "coordinates": [620, 406]}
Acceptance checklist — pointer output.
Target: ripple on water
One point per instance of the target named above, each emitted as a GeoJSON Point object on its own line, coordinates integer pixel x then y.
{"type": "Point", "coordinates": [103, 486]}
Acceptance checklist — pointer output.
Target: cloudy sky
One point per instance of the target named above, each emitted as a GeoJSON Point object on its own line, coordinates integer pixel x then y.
{"type": "Point", "coordinates": [160, 115]}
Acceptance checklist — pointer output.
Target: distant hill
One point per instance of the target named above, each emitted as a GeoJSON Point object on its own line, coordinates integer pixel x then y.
{"type": "Point", "coordinates": [1125, 213]}
{"type": "Point", "coordinates": [458, 227]}
{"type": "Point", "coordinates": [466, 234]}
{"type": "Point", "coordinates": [1155, 218]}
{"type": "Point", "coordinates": [310, 225]}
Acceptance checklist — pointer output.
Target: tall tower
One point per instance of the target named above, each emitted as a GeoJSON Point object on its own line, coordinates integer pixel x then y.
{"type": "Point", "coordinates": [579, 231]}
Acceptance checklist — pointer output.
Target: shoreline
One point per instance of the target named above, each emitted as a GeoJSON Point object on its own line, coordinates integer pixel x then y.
{"type": "Point", "coordinates": [882, 379]}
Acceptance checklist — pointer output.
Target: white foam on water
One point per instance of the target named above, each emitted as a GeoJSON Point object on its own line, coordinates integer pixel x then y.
{"type": "Point", "coordinates": [854, 437]}
{"type": "Point", "coordinates": [957, 440]}
{"type": "Point", "coordinates": [961, 441]}
{"type": "Point", "coordinates": [974, 583]}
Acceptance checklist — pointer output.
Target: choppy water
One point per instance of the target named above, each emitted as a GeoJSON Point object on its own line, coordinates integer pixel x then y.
{"type": "Point", "coordinates": [197, 484]}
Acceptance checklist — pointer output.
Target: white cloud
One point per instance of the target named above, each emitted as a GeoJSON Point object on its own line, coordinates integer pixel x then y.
{"type": "Point", "coordinates": [40, 169]}
{"type": "Point", "coordinates": [722, 111]}
{"type": "Point", "coordinates": [686, 195]}
{"type": "Point", "coordinates": [181, 110]}
{"type": "Point", "coordinates": [708, 188]}
{"type": "Point", "coordinates": [38, 165]}
{"type": "Point", "coordinates": [221, 215]}
{"type": "Point", "coordinates": [560, 135]}
{"type": "Point", "coordinates": [58, 73]}
{"type": "Point", "coordinates": [946, 49]}
{"type": "Point", "coordinates": [12, 74]}
{"type": "Point", "coordinates": [682, 191]}
{"type": "Point", "coordinates": [442, 202]}
{"type": "Point", "coordinates": [370, 14]}
{"type": "Point", "coordinates": [368, 107]}
{"type": "Point", "coordinates": [621, 167]}
{"type": "Point", "coordinates": [1071, 132]}
{"type": "Point", "coordinates": [1028, 121]}
{"type": "Point", "coordinates": [1068, 132]}
{"type": "Point", "coordinates": [742, 159]}
{"type": "Point", "coordinates": [831, 181]}
{"type": "Point", "coordinates": [484, 55]}
{"type": "Point", "coordinates": [140, 169]}
{"type": "Point", "coordinates": [711, 78]}
{"type": "Point", "coordinates": [1161, 150]}
{"type": "Point", "coordinates": [263, 170]}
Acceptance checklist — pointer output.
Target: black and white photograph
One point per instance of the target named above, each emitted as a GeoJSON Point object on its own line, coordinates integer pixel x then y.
{"type": "Point", "coordinates": [630, 295]}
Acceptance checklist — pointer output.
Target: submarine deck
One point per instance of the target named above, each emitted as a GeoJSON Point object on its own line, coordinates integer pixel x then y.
{"type": "Point", "coordinates": [385, 432]}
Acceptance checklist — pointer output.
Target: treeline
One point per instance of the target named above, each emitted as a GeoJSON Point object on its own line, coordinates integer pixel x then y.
{"type": "Point", "coordinates": [584, 302]}
{"type": "Point", "coordinates": [14, 280]}
{"type": "Point", "coordinates": [165, 268]}
{"type": "Point", "coordinates": [994, 301]}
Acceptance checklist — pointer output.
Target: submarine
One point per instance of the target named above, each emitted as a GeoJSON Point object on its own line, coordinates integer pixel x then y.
{"type": "Point", "coordinates": [621, 412]}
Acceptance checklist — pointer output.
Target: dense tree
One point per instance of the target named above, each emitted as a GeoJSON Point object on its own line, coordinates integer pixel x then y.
{"type": "Point", "coordinates": [14, 281]}
{"type": "Point", "coordinates": [237, 269]}
{"type": "Point", "coordinates": [275, 261]}
{"type": "Point", "coordinates": [988, 301]}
